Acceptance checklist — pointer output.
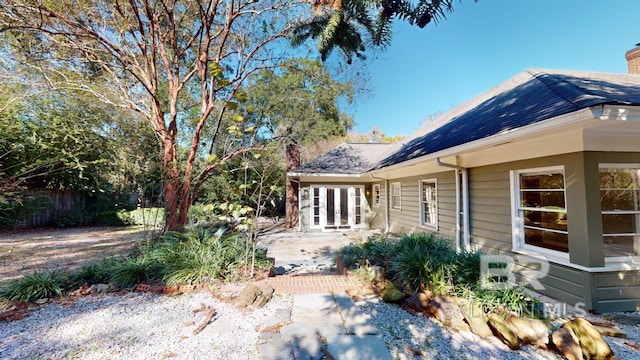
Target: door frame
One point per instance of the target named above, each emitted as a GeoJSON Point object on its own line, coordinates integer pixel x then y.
{"type": "Point", "coordinates": [318, 206]}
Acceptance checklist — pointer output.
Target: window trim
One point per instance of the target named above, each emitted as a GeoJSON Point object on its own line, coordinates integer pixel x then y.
{"type": "Point", "coordinates": [517, 227]}
{"type": "Point", "coordinates": [611, 260]}
{"type": "Point", "coordinates": [391, 191]}
{"type": "Point", "coordinates": [376, 195]}
{"type": "Point", "coordinates": [422, 203]}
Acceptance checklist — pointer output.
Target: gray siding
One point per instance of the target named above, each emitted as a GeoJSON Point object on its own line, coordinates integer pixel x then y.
{"type": "Point", "coordinates": [407, 219]}
{"type": "Point", "coordinates": [376, 216]}
{"type": "Point", "coordinates": [617, 291]}
{"type": "Point", "coordinates": [491, 226]}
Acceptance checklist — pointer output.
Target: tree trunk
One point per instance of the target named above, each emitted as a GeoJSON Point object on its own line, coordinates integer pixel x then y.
{"type": "Point", "coordinates": [171, 179]}
{"type": "Point", "coordinates": [291, 191]}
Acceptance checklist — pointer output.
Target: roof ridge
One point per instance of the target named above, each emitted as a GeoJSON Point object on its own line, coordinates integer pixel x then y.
{"type": "Point", "coordinates": [538, 75]}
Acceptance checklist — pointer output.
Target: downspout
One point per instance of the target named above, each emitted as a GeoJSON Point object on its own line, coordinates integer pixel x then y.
{"type": "Point", "coordinates": [461, 170]}
{"type": "Point", "coordinates": [386, 202]}
{"type": "Point", "coordinates": [299, 205]}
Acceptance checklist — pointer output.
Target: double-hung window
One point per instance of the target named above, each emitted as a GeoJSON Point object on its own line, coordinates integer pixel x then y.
{"type": "Point", "coordinates": [396, 195]}
{"type": "Point", "coordinates": [376, 195]}
{"type": "Point", "coordinates": [429, 203]}
{"type": "Point", "coordinates": [540, 212]}
{"type": "Point", "coordinates": [620, 206]}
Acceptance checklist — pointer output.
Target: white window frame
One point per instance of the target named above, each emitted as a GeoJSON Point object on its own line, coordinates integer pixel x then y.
{"type": "Point", "coordinates": [620, 259]}
{"type": "Point", "coordinates": [518, 241]}
{"type": "Point", "coordinates": [433, 207]}
{"type": "Point", "coordinates": [392, 189]}
{"type": "Point", "coordinates": [376, 195]}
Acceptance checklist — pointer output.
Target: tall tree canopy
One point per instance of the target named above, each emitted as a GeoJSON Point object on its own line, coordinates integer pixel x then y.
{"type": "Point", "coordinates": [160, 58]}
{"type": "Point", "coordinates": [297, 103]}
{"type": "Point", "coordinates": [182, 64]}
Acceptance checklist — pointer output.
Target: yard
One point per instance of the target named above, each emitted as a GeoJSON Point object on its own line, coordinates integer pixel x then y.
{"type": "Point", "coordinates": [24, 252]}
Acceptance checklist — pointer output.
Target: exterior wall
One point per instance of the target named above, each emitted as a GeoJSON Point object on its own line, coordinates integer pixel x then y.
{"type": "Point", "coordinates": [407, 219]}
{"type": "Point", "coordinates": [491, 229]}
{"type": "Point", "coordinates": [617, 291]}
{"type": "Point", "coordinates": [377, 217]}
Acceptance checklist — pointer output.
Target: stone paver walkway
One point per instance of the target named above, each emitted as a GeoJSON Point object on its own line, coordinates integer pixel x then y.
{"type": "Point", "coordinates": [320, 325]}
{"type": "Point", "coordinates": [323, 321]}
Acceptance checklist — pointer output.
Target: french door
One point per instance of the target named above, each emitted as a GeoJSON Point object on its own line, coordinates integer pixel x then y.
{"type": "Point", "coordinates": [335, 207]}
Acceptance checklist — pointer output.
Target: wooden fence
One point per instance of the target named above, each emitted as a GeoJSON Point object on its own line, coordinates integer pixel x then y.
{"type": "Point", "coordinates": [51, 203]}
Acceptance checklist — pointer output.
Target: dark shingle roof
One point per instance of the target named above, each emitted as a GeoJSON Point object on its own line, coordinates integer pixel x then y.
{"type": "Point", "coordinates": [347, 159]}
{"type": "Point", "coordinates": [528, 98]}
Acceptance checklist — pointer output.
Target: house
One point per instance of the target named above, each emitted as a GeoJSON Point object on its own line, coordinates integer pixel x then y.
{"type": "Point", "coordinates": [546, 164]}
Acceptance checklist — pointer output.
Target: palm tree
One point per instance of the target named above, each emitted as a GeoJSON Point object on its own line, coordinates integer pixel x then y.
{"type": "Point", "coordinates": [353, 25]}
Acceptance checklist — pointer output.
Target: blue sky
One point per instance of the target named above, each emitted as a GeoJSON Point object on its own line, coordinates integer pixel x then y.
{"type": "Point", "coordinates": [479, 45]}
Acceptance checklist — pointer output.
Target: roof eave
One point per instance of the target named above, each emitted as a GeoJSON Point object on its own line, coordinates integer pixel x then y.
{"type": "Point", "coordinates": [604, 112]}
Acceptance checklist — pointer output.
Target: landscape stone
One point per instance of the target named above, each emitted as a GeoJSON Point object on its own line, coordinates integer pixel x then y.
{"type": "Point", "coordinates": [610, 330]}
{"type": "Point", "coordinates": [567, 344]}
{"type": "Point", "coordinates": [445, 309]}
{"type": "Point", "coordinates": [477, 319]}
{"type": "Point", "coordinates": [350, 347]}
{"type": "Point", "coordinates": [355, 321]}
{"type": "Point", "coordinates": [248, 295]}
{"type": "Point", "coordinates": [591, 342]}
{"type": "Point", "coordinates": [266, 293]}
{"type": "Point", "coordinates": [502, 330]}
{"type": "Point", "coordinates": [296, 329]}
{"type": "Point", "coordinates": [391, 294]}
{"type": "Point", "coordinates": [530, 331]}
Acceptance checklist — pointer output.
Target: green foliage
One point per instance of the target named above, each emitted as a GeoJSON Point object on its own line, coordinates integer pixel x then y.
{"type": "Point", "coordinates": [34, 286]}
{"type": "Point", "coordinates": [19, 206]}
{"type": "Point", "coordinates": [144, 216]}
{"type": "Point", "coordinates": [202, 255]}
{"type": "Point", "coordinates": [428, 260]}
{"type": "Point", "coordinates": [134, 270]}
{"type": "Point", "coordinates": [99, 273]}
{"type": "Point", "coordinates": [375, 251]}
{"type": "Point", "coordinates": [421, 259]}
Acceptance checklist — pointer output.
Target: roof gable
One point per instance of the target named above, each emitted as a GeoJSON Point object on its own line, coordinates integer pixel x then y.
{"type": "Point", "coordinates": [347, 158]}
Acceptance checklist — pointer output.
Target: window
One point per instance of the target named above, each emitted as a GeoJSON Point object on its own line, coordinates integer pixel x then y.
{"type": "Point", "coordinates": [315, 207]}
{"type": "Point", "coordinates": [428, 203]}
{"type": "Point", "coordinates": [540, 220]}
{"type": "Point", "coordinates": [376, 195]}
{"type": "Point", "coordinates": [620, 206]}
{"type": "Point", "coordinates": [396, 195]}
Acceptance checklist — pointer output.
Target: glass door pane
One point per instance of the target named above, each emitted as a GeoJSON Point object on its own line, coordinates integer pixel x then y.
{"type": "Point", "coordinates": [331, 207]}
{"type": "Point", "coordinates": [344, 207]}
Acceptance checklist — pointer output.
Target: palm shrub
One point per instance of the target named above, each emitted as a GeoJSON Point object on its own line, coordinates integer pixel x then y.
{"type": "Point", "coordinates": [423, 259]}
{"type": "Point", "coordinates": [203, 255]}
{"type": "Point", "coordinates": [34, 286]}
{"type": "Point", "coordinates": [135, 270]}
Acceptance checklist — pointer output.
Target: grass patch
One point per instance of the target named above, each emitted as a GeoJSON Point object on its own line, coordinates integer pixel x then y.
{"type": "Point", "coordinates": [34, 286]}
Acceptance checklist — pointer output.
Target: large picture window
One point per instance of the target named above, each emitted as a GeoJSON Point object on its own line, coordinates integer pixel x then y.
{"type": "Point", "coordinates": [428, 203]}
{"type": "Point", "coordinates": [396, 195]}
{"type": "Point", "coordinates": [541, 215]}
{"type": "Point", "coordinates": [620, 206]}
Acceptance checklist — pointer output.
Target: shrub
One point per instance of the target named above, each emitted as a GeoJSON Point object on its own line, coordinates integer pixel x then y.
{"type": "Point", "coordinates": [113, 218]}
{"type": "Point", "coordinates": [375, 251]}
{"type": "Point", "coordinates": [145, 216]}
{"type": "Point", "coordinates": [99, 273]}
{"type": "Point", "coordinates": [423, 259]}
{"type": "Point", "coordinates": [201, 255]}
{"type": "Point", "coordinates": [135, 270]}
{"type": "Point", "coordinates": [34, 286]}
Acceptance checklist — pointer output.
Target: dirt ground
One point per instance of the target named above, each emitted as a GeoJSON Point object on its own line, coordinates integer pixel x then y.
{"type": "Point", "coordinates": [63, 249]}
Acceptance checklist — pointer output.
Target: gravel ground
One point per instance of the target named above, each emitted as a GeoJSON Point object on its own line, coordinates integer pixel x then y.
{"type": "Point", "coordinates": [148, 326]}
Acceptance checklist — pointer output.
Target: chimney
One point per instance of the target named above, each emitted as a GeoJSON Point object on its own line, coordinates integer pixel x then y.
{"type": "Point", "coordinates": [633, 59]}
